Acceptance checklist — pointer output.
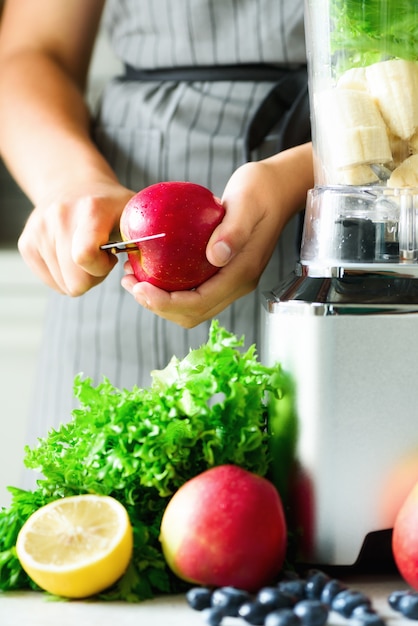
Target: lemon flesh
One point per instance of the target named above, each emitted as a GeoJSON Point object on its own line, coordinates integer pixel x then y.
{"type": "Point", "coordinates": [76, 546]}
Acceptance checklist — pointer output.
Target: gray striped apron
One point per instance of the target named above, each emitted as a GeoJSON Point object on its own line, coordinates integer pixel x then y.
{"type": "Point", "coordinates": [153, 130]}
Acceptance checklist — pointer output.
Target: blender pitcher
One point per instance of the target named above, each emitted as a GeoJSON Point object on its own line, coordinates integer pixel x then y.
{"type": "Point", "coordinates": [345, 323]}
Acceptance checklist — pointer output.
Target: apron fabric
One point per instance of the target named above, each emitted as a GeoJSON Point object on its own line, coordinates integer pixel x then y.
{"type": "Point", "coordinates": [153, 131]}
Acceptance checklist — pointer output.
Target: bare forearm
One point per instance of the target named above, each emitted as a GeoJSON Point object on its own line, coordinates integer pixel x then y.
{"type": "Point", "coordinates": [293, 171]}
{"type": "Point", "coordinates": [45, 53]}
{"type": "Point", "coordinates": [45, 126]}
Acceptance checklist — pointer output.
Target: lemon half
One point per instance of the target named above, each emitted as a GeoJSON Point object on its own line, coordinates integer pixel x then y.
{"type": "Point", "coordinates": [76, 546]}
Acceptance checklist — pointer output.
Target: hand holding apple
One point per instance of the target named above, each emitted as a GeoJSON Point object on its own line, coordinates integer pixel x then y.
{"type": "Point", "coordinates": [225, 527]}
{"type": "Point", "coordinates": [188, 214]}
{"type": "Point", "coordinates": [259, 198]}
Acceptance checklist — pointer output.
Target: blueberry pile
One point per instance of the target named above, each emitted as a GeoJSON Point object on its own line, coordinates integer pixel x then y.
{"type": "Point", "coordinates": [293, 601]}
{"type": "Point", "coordinates": [405, 602]}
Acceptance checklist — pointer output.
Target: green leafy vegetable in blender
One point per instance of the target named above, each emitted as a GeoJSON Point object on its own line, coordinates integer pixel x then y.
{"type": "Point", "coordinates": [141, 445]}
{"type": "Point", "coordinates": [369, 31]}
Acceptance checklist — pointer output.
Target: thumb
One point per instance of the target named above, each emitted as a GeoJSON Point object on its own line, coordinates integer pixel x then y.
{"type": "Point", "coordinates": [219, 251]}
{"type": "Point", "coordinates": [232, 234]}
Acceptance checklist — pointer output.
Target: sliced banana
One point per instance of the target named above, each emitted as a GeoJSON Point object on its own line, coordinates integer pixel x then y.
{"type": "Point", "coordinates": [413, 144]}
{"type": "Point", "coordinates": [352, 129]}
{"type": "Point", "coordinates": [406, 175]}
{"type": "Point", "coordinates": [359, 175]}
{"type": "Point", "coordinates": [400, 148]}
{"type": "Point", "coordinates": [394, 85]}
{"type": "Point", "coordinates": [354, 78]}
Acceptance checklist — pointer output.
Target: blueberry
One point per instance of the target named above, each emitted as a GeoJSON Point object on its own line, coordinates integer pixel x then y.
{"type": "Point", "coordinates": [368, 618]}
{"type": "Point", "coordinates": [253, 613]}
{"type": "Point", "coordinates": [213, 616]}
{"type": "Point", "coordinates": [274, 598]}
{"type": "Point", "coordinates": [394, 598]}
{"type": "Point", "coordinates": [199, 598]}
{"type": "Point", "coordinates": [314, 584]}
{"type": "Point", "coordinates": [313, 572]}
{"type": "Point", "coordinates": [346, 601]}
{"type": "Point", "coordinates": [311, 612]}
{"type": "Point", "coordinates": [330, 590]}
{"type": "Point", "coordinates": [229, 599]}
{"type": "Point", "coordinates": [362, 609]}
{"type": "Point", "coordinates": [295, 588]}
{"type": "Point", "coordinates": [282, 617]}
{"type": "Point", "coordinates": [408, 605]}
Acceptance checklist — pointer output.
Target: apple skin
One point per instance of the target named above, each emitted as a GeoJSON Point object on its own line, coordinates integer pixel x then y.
{"type": "Point", "coordinates": [396, 486]}
{"type": "Point", "coordinates": [301, 511]}
{"type": "Point", "coordinates": [405, 539]}
{"type": "Point", "coordinates": [225, 527]}
{"type": "Point", "coordinates": [188, 214]}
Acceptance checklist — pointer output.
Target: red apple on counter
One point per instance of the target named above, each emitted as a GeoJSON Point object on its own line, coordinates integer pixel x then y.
{"type": "Point", "coordinates": [188, 214]}
{"type": "Point", "coordinates": [405, 539]}
{"type": "Point", "coordinates": [225, 527]}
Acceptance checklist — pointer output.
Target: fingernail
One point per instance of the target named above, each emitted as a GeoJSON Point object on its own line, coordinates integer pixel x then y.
{"type": "Point", "coordinates": [221, 252]}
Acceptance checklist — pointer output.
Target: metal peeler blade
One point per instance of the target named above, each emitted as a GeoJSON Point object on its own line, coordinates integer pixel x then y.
{"type": "Point", "coordinates": [123, 246]}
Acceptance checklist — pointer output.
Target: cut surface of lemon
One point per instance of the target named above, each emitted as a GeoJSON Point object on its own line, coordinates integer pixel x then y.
{"type": "Point", "coordinates": [76, 546]}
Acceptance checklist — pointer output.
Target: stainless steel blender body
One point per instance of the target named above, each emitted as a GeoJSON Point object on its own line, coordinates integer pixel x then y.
{"type": "Point", "coordinates": [345, 324]}
{"type": "Point", "coordinates": [354, 366]}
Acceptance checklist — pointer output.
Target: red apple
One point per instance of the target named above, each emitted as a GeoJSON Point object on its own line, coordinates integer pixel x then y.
{"type": "Point", "coordinates": [405, 539]}
{"type": "Point", "coordinates": [225, 527]}
{"type": "Point", "coordinates": [396, 486]}
{"type": "Point", "coordinates": [301, 513]}
{"type": "Point", "coordinates": [188, 214]}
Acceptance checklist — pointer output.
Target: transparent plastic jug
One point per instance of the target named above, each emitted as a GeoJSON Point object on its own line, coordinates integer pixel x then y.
{"type": "Point", "coordinates": [363, 73]}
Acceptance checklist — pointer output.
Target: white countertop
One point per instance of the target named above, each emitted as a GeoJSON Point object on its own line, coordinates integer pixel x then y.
{"type": "Point", "coordinates": [36, 609]}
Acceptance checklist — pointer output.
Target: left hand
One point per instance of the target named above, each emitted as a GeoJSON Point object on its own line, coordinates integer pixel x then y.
{"type": "Point", "coordinates": [259, 199]}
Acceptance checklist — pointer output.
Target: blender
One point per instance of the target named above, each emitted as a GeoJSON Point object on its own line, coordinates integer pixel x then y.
{"type": "Point", "coordinates": [344, 325]}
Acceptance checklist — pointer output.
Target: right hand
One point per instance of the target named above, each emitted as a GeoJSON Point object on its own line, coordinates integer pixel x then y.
{"type": "Point", "coordinates": [62, 237]}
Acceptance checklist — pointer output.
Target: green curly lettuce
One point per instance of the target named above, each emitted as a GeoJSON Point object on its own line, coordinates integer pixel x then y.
{"type": "Point", "coordinates": [368, 31]}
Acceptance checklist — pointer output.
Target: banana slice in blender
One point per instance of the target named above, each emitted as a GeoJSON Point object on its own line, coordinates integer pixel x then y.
{"type": "Point", "coordinates": [394, 86]}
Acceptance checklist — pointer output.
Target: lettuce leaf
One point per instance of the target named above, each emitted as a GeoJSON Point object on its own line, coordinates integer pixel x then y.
{"type": "Point", "coordinates": [141, 445]}
{"type": "Point", "coordinates": [366, 32]}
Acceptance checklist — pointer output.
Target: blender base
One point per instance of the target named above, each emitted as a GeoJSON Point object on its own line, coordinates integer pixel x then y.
{"type": "Point", "coordinates": [375, 557]}
{"type": "Point", "coordinates": [354, 369]}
